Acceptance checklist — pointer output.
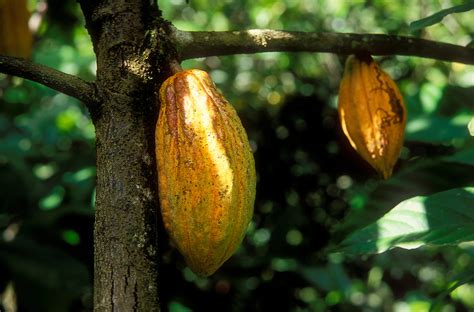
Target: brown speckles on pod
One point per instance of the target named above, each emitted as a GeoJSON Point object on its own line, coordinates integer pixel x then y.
{"type": "Point", "coordinates": [372, 113]}
{"type": "Point", "coordinates": [206, 171]}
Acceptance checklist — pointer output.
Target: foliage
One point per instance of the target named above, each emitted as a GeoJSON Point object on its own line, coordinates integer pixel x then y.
{"type": "Point", "coordinates": [438, 16]}
{"type": "Point", "coordinates": [439, 219]}
{"type": "Point", "coordinates": [313, 192]}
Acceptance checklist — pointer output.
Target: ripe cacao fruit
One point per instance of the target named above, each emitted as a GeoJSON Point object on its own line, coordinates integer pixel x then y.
{"type": "Point", "coordinates": [206, 171]}
{"type": "Point", "coordinates": [372, 113]}
{"type": "Point", "coordinates": [15, 36]}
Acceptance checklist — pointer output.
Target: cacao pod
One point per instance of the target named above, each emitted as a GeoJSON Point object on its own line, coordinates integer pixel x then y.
{"type": "Point", "coordinates": [206, 171]}
{"type": "Point", "coordinates": [372, 113]}
{"type": "Point", "coordinates": [15, 36]}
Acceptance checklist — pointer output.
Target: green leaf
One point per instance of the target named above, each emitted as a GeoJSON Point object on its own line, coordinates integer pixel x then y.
{"type": "Point", "coordinates": [438, 17]}
{"type": "Point", "coordinates": [441, 219]}
{"type": "Point", "coordinates": [53, 199]}
{"type": "Point", "coordinates": [419, 177]}
{"type": "Point", "coordinates": [463, 157]}
{"type": "Point", "coordinates": [454, 282]}
{"type": "Point", "coordinates": [437, 129]}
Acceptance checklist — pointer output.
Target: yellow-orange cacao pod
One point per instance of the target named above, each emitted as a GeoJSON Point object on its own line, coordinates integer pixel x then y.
{"type": "Point", "coordinates": [206, 171]}
{"type": "Point", "coordinates": [15, 36]}
{"type": "Point", "coordinates": [372, 113]}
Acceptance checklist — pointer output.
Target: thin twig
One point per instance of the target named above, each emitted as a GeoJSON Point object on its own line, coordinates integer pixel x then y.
{"type": "Point", "coordinates": [59, 81]}
{"type": "Point", "coordinates": [202, 44]}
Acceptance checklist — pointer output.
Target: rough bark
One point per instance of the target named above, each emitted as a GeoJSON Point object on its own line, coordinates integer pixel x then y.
{"type": "Point", "coordinates": [125, 242]}
{"type": "Point", "coordinates": [125, 264]}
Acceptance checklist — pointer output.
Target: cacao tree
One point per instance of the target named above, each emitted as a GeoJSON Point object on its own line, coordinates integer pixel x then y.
{"type": "Point", "coordinates": [136, 50]}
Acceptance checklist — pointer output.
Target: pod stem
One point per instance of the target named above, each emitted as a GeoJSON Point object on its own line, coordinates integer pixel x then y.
{"type": "Point", "coordinates": [175, 67]}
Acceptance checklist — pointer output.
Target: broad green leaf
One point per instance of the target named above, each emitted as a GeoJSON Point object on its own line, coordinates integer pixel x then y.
{"type": "Point", "coordinates": [454, 282]}
{"type": "Point", "coordinates": [438, 17]}
{"type": "Point", "coordinates": [464, 157]}
{"type": "Point", "coordinates": [441, 219]}
{"type": "Point", "coordinates": [437, 129]}
{"type": "Point", "coordinates": [420, 177]}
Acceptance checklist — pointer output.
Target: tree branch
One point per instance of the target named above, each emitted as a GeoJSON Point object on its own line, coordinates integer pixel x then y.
{"type": "Point", "coordinates": [59, 81]}
{"type": "Point", "coordinates": [202, 44]}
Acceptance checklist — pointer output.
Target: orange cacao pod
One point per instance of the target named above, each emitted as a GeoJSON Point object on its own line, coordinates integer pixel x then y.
{"type": "Point", "coordinates": [372, 113]}
{"type": "Point", "coordinates": [206, 171]}
{"type": "Point", "coordinates": [15, 36]}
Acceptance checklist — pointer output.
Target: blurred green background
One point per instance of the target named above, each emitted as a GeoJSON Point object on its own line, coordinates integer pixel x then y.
{"type": "Point", "coordinates": [313, 190]}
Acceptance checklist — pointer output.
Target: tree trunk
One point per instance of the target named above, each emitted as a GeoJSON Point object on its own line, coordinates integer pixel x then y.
{"type": "Point", "coordinates": [125, 265]}
{"type": "Point", "coordinates": [125, 239]}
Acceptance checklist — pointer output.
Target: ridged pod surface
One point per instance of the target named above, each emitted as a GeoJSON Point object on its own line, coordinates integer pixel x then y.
{"type": "Point", "coordinates": [372, 113]}
{"type": "Point", "coordinates": [15, 36]}
{"type": "Point", "coordinates": [206, 171]}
